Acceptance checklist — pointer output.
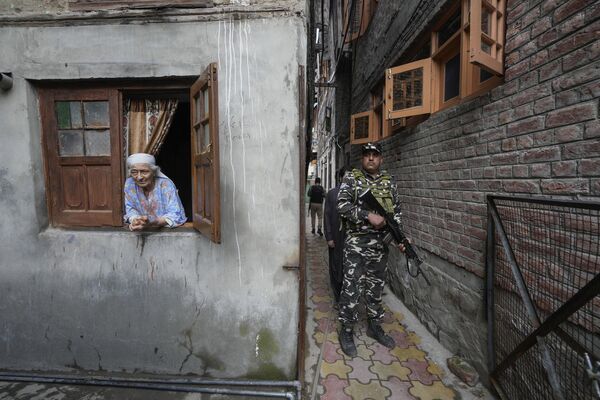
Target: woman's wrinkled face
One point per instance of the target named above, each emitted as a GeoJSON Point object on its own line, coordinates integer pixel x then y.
{"type": "Point", "coordinates": [142, 174]}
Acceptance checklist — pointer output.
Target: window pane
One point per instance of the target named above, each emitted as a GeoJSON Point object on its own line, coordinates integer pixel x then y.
{"type": "Point", "coordinates": [452, 78]}
{"type": "Point", "coordinates": [424, 52]}
{"type": "Point", "coordinates": [206, 104]}
{"type": "Point", "coordinates": [97, 143]}
{"type": "Point", "coordinates": [198, 134]}
{"type": "Point", "coordinates": [487, 48]}
{"type": "Point", "coordinates": [205, 137]}
{"type": "Point", "coordinates": [197, 109]}
{"type": "Point", "coordinates": [484, 75]}
{"type": "Point", "coordinates": [95, 114]}
{"type": "Point", "coordinates": [63, 114]}
{"type": "Point", "coordinates": [361, 127]}
{"type": "Point", "coordinates": [397, 122]}
{"type": "Point", "coordinates": [449, 28]}
{"type": "Point", "coordinates": [75, 107]}
{"type": "Point", "coordinates": [70, 143]}
{"type": "Point", "coordinates": [408, 89]}
{"type": "Point", "coordinates": [486, 20]}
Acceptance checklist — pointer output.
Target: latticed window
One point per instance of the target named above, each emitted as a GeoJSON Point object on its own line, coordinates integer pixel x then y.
{"type": "Point", "coordinates": [466, 60]}
{"type": "Point", "coordinates": [486, 39]}
{"type": "Point", "coordinates": [361, 130]}
{"type": "Point", "coordinates": [408, 89]}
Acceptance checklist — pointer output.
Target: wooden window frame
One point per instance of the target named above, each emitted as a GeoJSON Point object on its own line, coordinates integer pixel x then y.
{"type": "Point", "coordinates": [206, 199]}
{"type": "Point", "coordinates": [380, 124]}
{"type": "Point", "coordinates": [115, 91]}
{"type": "Point", "coordinates": [371, 137]}
{"type": "Point", "coordinates": [383, 127]}
{"type": "Point", "coordinates": [440, 57]}
{"type": "Point", "coordinates": [471, 62]}
{"type": "Point", "coordinates": [425, 107]}
{"type": "Point", "coordinates": [55, 165]}
{"type": "Point", "coordinates": [492, 62]}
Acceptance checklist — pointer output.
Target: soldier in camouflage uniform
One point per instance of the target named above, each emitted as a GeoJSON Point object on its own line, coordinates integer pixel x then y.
{"type": "Point", "coordinates": [365, 253]}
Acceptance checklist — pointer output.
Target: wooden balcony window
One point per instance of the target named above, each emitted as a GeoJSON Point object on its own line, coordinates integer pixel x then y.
{"type": "Point", "coordinates": [467, 47]}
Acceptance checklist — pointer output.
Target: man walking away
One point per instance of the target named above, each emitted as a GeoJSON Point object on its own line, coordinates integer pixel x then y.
{"type": "Point", "coordinates": [316, 193]}
{"type": "Point", "coordinates": [335, 238]}
{"type": "Point", "coordinates": [365, 253]}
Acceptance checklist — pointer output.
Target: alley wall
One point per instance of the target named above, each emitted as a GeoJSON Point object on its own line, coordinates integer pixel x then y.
{"type": "Point", "coordinates": [170, 302]}
{"type": "Point", "coordinates": [536, 134]}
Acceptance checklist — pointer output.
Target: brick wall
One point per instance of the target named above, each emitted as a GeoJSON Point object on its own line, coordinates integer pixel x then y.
{"type": "Point", "coordinates": [538, 133]}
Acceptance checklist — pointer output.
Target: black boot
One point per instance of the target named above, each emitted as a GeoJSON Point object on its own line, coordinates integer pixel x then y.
{"type": "Point", "coordinates": [375, 331]}
{"type": "Point", "coordinates": [347, 341]}
{"type": "Point", "coordinates": [320, 232]}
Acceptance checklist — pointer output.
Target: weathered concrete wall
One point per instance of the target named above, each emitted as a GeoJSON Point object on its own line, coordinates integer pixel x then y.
{"type": "Point", "coordinates": [537, 133]}
{"type": "Point", "coordinates": [168, 302]}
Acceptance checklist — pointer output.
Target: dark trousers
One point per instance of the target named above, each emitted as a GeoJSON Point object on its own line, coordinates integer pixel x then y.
{"type": "Point", "coordinates": [336, 271]}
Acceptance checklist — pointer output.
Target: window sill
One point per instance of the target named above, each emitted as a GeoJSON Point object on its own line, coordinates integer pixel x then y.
{"type": "Point", "coordinates": [54, 232]}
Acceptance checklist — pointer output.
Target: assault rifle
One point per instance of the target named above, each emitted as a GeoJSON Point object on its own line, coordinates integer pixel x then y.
{"type": "Point", "coordinates": [393, 229]}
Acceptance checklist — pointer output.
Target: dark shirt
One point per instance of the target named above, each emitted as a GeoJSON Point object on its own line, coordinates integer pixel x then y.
{"type": "Point", "coordinates": [316, 194]}
{"type": "Point", "coordinates": [332, 219]}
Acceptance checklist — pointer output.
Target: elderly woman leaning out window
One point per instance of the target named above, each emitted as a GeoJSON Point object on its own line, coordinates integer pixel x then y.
{"type": "Point", "coordinates": [151, 199]}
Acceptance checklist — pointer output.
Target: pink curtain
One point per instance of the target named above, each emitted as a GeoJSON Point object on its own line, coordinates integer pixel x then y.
{"type": "Point", "coordinates": [146, 123]}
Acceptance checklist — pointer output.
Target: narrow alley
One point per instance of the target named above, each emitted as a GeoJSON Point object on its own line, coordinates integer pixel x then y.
{"type": "Point", "coordinates": [415, 369]}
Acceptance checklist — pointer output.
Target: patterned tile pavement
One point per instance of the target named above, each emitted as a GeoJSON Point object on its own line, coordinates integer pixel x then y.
{"type": "Point", "coordinates": [405, 372]}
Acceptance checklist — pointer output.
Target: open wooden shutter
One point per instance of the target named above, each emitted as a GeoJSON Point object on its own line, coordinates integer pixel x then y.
{"type": "Point", "coordinates": [361, 128]}
{"type": "Point", "coordinates": [408, 89]}
{"type": "Point", "coordinates": [205, 154]}
{"type": "Point", "coordinates": [83, 164]}
{"type": "Point", "coordinates": [486, 42]}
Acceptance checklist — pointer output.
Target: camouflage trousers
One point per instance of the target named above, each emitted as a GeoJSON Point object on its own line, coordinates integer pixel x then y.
{"type": "Point", "coordinates": [365, 266]}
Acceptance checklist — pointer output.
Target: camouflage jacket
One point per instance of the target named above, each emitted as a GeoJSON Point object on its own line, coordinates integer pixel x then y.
{"type": "Point", "coordinates": [352, 211]}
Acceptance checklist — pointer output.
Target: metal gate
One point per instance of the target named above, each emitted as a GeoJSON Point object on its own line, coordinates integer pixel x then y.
{"type": "Point", "coordinates": [543, 303]}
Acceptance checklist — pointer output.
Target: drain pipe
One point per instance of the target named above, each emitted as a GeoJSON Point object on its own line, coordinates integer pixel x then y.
{"type": "Point", "coordinates": [189, 385]}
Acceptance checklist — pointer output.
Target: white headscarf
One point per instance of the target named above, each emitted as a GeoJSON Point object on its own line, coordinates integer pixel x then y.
{"type": "Point", "coordinates": [144, 158]}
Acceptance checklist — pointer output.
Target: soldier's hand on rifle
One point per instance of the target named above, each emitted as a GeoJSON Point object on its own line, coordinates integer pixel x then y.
{"type": "Point", "coordinates": [401, 247]}
{"type": "Point", "coordinates": [376, 220]}
{"type": "Point", "coordinates": [331, 243]}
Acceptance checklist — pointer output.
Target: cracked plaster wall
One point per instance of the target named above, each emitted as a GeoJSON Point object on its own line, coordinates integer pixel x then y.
{"type": "Point", "coordinates": [169, 302]}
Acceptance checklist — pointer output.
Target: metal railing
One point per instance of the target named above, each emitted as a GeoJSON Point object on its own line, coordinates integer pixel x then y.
{"type": "Point", "coordinates": [542, 293]}
{"type": "Point", "coordinates": [290, 390]}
